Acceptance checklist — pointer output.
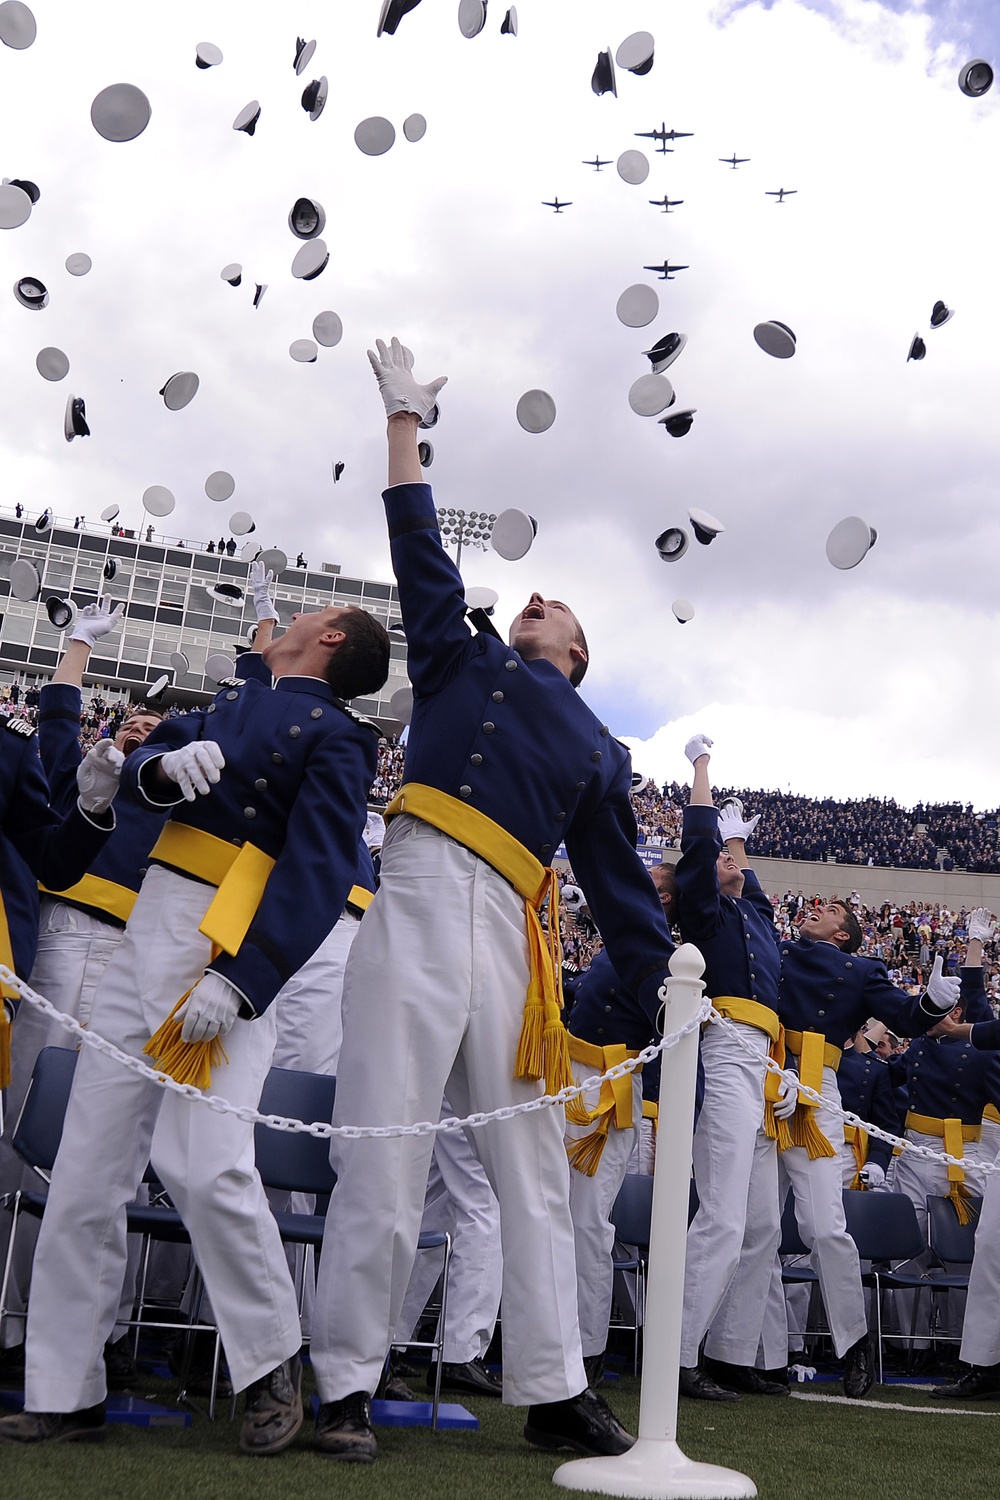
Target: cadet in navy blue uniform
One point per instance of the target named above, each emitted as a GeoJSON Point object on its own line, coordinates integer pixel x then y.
{"type": "Point", "coordinates": [828, 990]}
{"type": "Point", "coordinates": [503, 761]}
{"type": "Point", "coordinates": [81, 927]}
{"type": "Point", "coordinates": [980, 1348]}
{"type": "Point", "coordinates": [866, 1089]}
{"type": "Point", "coordinates": [266, 789]}
{"type": "Point", "coordinates": [949, 1083]}
{"type": "Point", "coordinates": [722, 908]}
{"type": "Point", "coordinates": [607, 1025]}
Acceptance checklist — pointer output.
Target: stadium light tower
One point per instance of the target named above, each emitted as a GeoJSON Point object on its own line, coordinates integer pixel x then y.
{"type": "Point", "coordinates": [461, 528]}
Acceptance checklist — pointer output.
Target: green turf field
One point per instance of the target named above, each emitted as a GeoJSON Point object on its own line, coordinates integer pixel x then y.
{"type": "Point", "coordinates": [792, 1449]}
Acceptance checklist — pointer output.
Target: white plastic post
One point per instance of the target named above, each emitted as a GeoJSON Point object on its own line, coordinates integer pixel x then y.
{"type": "Point", "coordinates": [655, 1468]}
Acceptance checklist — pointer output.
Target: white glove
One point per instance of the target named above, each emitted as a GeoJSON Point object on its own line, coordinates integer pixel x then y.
{"type": "Point", "coordinates": [210, 1009]}
{"type": "Point", "coordinates": [194, 767]}
{"type": "Point", "coordinates": [941, 992]}
{"type": "Point", "coordinates": [733, 827]}
{"type": "Point", "coordinates": [97, 776]}
{"type": "Point", "coordinates": [400, 392]}
{"type": "Point", "coordinates": [374, 831]}
{"type": "Point", "coordinates": [981, 925]}
{"type": "Point", "coordinates": [787, 1100]}
{"type": "Point", "coordinates": [872, 1175]}
{"type": "Point", "coordinates": [697, 746]}
{"type": "Point", "coordinates": [260, 583]}
{"type": "Point", "coordinates": [96, 621]}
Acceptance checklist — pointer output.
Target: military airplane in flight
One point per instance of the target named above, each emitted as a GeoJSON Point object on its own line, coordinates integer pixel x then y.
{"type": "Point", "coordinates": [734, 161]}
{"type": "Point", "coordinates": [781, 193]}
{"type": "Point", "coordinates": [557, 205]}
{"type": "Point", "coordinates": [666, 203]}
{"type": "Point", "coordinates": [666, 270]}
{"type": "Point", "coordinates": [597, 163]}
{"type": "Point", "coordinates": [663, 135]}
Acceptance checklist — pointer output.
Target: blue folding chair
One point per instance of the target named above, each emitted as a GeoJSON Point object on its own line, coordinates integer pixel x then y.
{"type": "Point", "coordinates": [295, 1162]}
{"type": "Point", "coordinates": [885, 1229]}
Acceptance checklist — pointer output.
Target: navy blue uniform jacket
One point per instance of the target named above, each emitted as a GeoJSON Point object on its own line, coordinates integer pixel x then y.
{"type": "Point", "coordinates": [514, 739]}
{"type": "Point", "coordinates": [298, 768]}
{"type": "Point", "coordinates": [736, 935]}
{"type": "Point", "coordinates": [125, 856]}
{"type": "Point", "coordinates": [827, 990]}
{"type": "Point", "coordinates": [36, 844]}
{"type": "Point", "coordinates": [866, 1090]}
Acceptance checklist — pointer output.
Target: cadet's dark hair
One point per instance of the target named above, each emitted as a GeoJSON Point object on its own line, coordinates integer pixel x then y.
{"type": "Point", "coordinates": [360, 664]}
{"type": "Point", "coordinates": [580, 667]}
{"type": "Point", "coordinates": [851, 926]}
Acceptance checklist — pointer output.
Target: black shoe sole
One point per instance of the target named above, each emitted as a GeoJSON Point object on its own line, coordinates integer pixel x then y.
{"type": "Point", "coordinates": [345, 1457]}
{"type": "Point", "coordinates": [553, 1441]}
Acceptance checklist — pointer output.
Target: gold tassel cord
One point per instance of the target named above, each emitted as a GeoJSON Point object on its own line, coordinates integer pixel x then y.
{"type": "Point", "coordinates": [959, 1195]}
{"type": "Point", "coordinates": [585, 1154]}
{"type": "Point", "coordinates": [185, 1062]}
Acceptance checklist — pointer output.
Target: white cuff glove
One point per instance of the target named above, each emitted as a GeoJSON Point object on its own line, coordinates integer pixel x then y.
{"type": "Point", "coordinates": [872, 1175]}
{"type": "Point", "coordinates": [400, 392]}
{"type": "Point", "coordinates": [210, 1009]}
{"type": "Point", "coordinates": [941, 992]}
{"type": "Point", "coordinates": [194, 767]}
{"type": "Point", "coordinates": [260, 583]}
{"type": "Point", "coordinates": [981, 925]}
{"type": "Point", "coordinates": [96, 621]}
{"type": "Point", "coordinates": [733, 827]}
{"type": "Point", "coordinates": [97, 776]}
{"type": "Point", "coordinates": [788, 1098]}
{"type": "Point", "coordinates": [697, 746]}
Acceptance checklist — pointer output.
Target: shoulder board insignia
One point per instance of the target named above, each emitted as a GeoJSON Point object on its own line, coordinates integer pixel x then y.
{"type": "Point", "coordinates": [360, 719]}
{"type": "Point", "coordinates": [232, 682]}
{"type": "Point", "coordinates": [21, 727]}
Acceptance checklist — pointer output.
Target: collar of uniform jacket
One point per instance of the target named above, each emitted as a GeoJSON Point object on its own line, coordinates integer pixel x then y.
{"type": "Point", "coordinates": [314, 686]}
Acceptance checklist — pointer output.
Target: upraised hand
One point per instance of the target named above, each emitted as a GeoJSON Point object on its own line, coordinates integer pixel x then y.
{"type": "Point", "coordinates": [732, 826]}
{"type": "Point", "coordinates": [96, 620]}
{"type": "Point", "coordinates": [697, 746]}
{"type": "Point", "coordinates": [981, 925]}
{"type": "Point", "coordinates": [942, 992]}
{"type": "Point", "coordinates": [393, 368]}
{"type": "Point", "coordinates": [261, 580]}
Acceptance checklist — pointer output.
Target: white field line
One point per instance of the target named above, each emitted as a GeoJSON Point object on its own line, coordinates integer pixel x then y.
{"type": "Point", "coordinates": [923, 1411]}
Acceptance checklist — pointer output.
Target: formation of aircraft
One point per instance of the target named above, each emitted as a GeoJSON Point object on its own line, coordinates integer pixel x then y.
{"type": "Point", "coordinates": [557, 205]}
{"type": "Point", "coordinates": [666, 203]}
{"type": "Point", "coordinates": [780, 193]}
{"type": "Point", "coordinates": [597, 163]}
{"type": "Point", "coordinates": [734, 161]}
{"type": "Point", "coordinates": [666, 270]}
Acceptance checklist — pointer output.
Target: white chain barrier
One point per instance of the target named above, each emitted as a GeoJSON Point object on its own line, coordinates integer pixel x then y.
{"type": "Point", "coordinates": [321, 1128]}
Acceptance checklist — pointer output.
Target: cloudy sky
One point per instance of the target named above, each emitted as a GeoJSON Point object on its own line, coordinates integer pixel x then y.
{"type": "Point", "coordinates": [881, 680]}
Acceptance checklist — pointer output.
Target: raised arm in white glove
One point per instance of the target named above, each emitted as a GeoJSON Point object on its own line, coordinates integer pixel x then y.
{"type": "Point", "coordinates": [697, 746]}
{"type": "Point", "coordinates": [981, 925]}
{"type": "Point", "coordinates": [943, 993]}
{"type": "Point", "coordinates": [210, 1009]}
{"type": "Point", "coordinates": [788, 1098]}
{"type": "Point", "coordinates": [393, 368]}
{"type": "Point", "coordinates": [96, 620]}
{"type": "Point", "coordinates": [261, 579]}
{"type": "Point", "coordinates": [195, 767]}
{"type": "Point", "coordinates": [872, 1175]}
{"type": "Point", "coordinates": [97, 776]}
{"type": "Point", "coordinates": [731, 826]}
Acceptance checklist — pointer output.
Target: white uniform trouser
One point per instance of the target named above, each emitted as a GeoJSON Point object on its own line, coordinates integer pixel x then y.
{"type": "Point", "coordinates": [819, 1212]}
{"type": "Point", "coordinates": [920, 1179]}
{"type": "Point", "coordinates": [308, 1007]}
{"type": "Point", "coordinates": [737, 1223]}
{"type": "Point", "coordinates": [591, 1200]}
{"type": "Point", "coordinates": [981, 1329]}
{"type": "Point", "coordinates": [433, 1000]}
{"type": "Point", "coordinates": [204, 1159]}
{"type": "Point", "coordinates": [459, 1201]}
{"type": "Point", "coordinates": [74, 949]}
{"type": "Point", "coordinates": [643, 1158]}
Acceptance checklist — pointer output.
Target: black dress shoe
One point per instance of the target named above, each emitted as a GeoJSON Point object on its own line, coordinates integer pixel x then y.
{"type": "Point", "coordinates": [344, 1430]}
{"type": "Point", "coordinates": [980, 1383]}
{"type": "Point", "coordinates": [120, 1366]}
{"type": "Point", "coordinates": [859, 1369]}
{"type": "Point", "coordinates": [744, 1378]}
{"type": "Point", "coordinates": [272, 1413]}
{"type": "Point", "coordinates": [472, 1378]}
{"type": "Point", "coordinates": [85, 1426]}
{"type": "Point", "coordinates": [585, 1423]}
{"type": "Point", "coordinates": [698, 1385]}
